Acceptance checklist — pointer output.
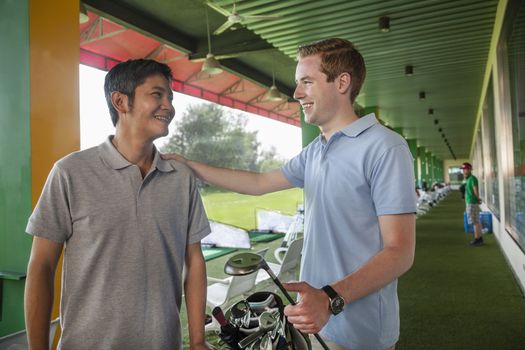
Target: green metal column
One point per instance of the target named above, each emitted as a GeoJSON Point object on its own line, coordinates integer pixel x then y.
{"type": "Point", "coordinates": [308, 131]}
{"type": "Point", "coordinates": [439, 167]}
{"type": "Point", "coordinates": [430, 168]}
{"type": "Point", "coordinates": [412, 145]}
{"type": "Point", "coordinates": [399, 131]}
{"type": "Point", "coordinates": [370, 109]}
{"type": "Point", "coordinates": [423, 160]}
{"type": "Point", "coordinates": [435, 167]}
{"type": "Point", "coordinates": [15, 157]}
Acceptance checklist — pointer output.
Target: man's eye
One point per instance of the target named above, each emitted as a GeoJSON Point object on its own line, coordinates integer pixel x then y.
{"type": "Point", "coordinates": [156, 94]}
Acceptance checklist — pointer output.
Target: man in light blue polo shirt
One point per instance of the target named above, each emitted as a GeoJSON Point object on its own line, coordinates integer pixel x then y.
{"type": "Point", "coordinates": [359, 205]}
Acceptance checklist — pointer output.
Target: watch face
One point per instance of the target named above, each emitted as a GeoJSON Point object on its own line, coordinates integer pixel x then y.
{"type": "Point", "coordinates": [337, 304]}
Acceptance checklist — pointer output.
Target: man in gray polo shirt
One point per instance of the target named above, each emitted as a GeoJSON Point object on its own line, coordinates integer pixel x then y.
{"type": "Point", "coordinates": [359, 205]}
{"type": "Point", "coordinates": [128, 222]}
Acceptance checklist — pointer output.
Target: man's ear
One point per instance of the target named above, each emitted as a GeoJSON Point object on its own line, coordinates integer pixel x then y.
{"type": "Point", "coordinates": [120, 102]}
{"type": "Point", "coordinates": [344, 82]}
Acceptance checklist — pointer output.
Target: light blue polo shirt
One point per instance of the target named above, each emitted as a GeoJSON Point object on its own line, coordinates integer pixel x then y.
{"type": "Point", "coordinates": [364, 171]}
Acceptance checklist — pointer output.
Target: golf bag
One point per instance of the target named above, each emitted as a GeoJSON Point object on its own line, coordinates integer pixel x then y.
{"type": "Point", "coordinates": [259, 323]}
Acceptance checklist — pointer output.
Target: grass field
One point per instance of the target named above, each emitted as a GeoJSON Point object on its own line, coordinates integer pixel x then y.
{"type": "Point", "coordinates": [239, 210]}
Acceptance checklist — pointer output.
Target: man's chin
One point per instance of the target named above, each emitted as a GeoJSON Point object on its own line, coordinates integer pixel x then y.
{"type": "Point", "coordinates": [313, 123]}
{"type": "Point", "coordinates": [160, 135]}
{"type": "Point", "coordinates": [311, 120]}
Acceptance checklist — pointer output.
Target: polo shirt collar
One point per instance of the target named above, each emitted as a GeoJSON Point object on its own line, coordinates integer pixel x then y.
{"type": "Point", "coordinates": [115, 160]}
{"type": "Point", "coordinates": [357, 127]}
{"type": "Point", "coordinates": [161, 164]}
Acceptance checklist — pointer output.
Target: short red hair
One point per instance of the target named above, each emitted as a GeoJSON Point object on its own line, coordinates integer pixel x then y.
{"type": "Point", "coordinates": [338, 56]}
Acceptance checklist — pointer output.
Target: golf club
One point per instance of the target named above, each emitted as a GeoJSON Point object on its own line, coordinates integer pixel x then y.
{"type": "Point", "coordinates": [219, 316]}
{"type": "Point", "coordinates": [229, 333]}
{"type": "Point", "coordinates": [267, 322]}
{"type": "Point", "coordinates": [245, 263]}
{"type": "Point", "coordinates": [240, 314]}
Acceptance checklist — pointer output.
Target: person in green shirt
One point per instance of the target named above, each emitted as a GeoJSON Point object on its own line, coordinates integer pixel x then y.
{"type": "Point", "coordinates": [472, 201]}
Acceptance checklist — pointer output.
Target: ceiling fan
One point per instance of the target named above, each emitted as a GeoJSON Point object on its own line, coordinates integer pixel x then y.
{"type": "Point", "coordinates": [235, 18]}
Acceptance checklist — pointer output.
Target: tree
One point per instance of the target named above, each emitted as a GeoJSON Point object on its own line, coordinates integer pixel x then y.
{"type": "Point", "coordinates": [208, 134]}
{"type": "Point", "coordinates": [269, 160]}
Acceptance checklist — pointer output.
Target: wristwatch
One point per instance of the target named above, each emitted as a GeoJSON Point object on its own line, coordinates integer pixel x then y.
{"type": "Point", "coordinates": [337, 303]}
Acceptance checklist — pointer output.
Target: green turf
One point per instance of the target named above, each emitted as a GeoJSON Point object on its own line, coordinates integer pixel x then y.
{"type": "Point", "coordinates": [456, 296]}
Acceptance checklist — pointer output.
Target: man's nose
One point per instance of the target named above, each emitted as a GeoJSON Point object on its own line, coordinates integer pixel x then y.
{"type": "Point", "coordinates": [298, 93]}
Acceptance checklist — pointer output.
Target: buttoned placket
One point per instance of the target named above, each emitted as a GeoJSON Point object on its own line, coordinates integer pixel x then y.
{"type": "Point", "coordinates": [138, 185]}
{"type": "Point", "coordinates": [141, 184]}
{"type": "Point", "coordinates": [326, 146]}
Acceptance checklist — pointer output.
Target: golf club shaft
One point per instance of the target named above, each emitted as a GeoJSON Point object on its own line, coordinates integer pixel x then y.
{"type": "Point", "coordinates": [287, 295]}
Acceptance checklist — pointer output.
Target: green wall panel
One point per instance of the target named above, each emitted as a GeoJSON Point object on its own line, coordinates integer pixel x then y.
{"type": "Point", "coordinates": [399, 131]}
{"type": "Point", "coordinates": [368, 110]}
{"type": "Point", "coordinates": [423, 159]}
{"type": "Point", "coordinates": [412, 145]}
{"type": "Point", "coordinates": [15, 157]}
{"type": "Point", "coordinates": [308, 131]}
{"type": "Point", "coordinates": [430, 168]}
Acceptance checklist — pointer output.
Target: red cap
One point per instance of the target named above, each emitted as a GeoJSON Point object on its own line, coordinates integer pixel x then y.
{"type": "Point", "coordinates": [466, 165]}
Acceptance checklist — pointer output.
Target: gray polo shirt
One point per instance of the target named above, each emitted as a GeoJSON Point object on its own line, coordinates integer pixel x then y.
{"type": "Point", "coordinates": [125, 240]}
{"type": "Point", "coordinates": [364, 171]}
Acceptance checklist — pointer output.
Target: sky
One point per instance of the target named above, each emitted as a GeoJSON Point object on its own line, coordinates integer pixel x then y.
{"type": "Point", "coordinates": [95, 122]}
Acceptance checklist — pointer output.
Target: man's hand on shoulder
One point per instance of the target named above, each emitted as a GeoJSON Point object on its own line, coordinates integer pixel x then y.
{"type": "Point", "coordinates": [312, 312]}
{"type": "Point", "coordinates": [174, 156]}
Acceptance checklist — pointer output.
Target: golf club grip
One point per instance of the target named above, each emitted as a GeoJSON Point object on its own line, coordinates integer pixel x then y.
{"type": "Point", "coordinates": [219, 316]}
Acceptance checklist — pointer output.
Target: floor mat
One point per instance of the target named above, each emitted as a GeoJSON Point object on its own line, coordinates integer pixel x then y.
{"type": "Point", "coordinates": [260, 236]}
{"type": "Point", "coordinates": [212, 253]}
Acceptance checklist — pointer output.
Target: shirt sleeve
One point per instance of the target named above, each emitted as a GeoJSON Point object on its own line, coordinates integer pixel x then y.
{"type": "Point", "coordinates": [294, 169]}
{"type": "Point", "coordinates": [198, 224]}
{"type": "Point", "coordinates": [475, 182]}
{"type": "Point", "coordinates": [51, 218]}
{"type": "Point", "coordinates": [392, 182]}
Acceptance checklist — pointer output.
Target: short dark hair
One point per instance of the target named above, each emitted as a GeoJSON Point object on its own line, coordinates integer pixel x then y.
{"type": "Point", "coordinates": [338, 56]}
{"type": "Point", "coordinates": [126, 76]}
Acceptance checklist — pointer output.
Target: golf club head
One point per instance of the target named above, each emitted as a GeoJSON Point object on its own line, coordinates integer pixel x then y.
{"type": "Point", "coordinates": [240, 314]}
{"type": "Point", "coordinates": [243, 264]}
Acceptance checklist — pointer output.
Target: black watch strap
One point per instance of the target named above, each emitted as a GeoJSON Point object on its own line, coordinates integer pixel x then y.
{"type": "Point", "coordinates": [330, 291]}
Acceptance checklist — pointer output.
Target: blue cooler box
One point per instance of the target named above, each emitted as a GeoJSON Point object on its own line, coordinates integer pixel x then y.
{"type": "Point", "coordinates": [486, 222]}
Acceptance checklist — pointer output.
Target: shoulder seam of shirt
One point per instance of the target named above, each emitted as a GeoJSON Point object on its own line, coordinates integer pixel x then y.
{"type": "Point", "coordinates": [388, 149]}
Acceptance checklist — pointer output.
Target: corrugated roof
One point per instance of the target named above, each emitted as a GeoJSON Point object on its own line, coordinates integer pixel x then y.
{"type": "Point", "coordinates": [446, 43]}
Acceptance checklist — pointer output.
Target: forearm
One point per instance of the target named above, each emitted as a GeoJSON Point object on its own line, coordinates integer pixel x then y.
{"type": "Point", "coordinates": [398, 233]}
{"type": "Point", "coordinates": [195, 295]}
{"type": "Point", "coordinates": [38, 301]}
{"type": "Point", "coordinates": [379, 271]}
{"type": "Point", "coordinates": [476, 192]}
{"type": "Point", "coordinates": [240, 181]}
